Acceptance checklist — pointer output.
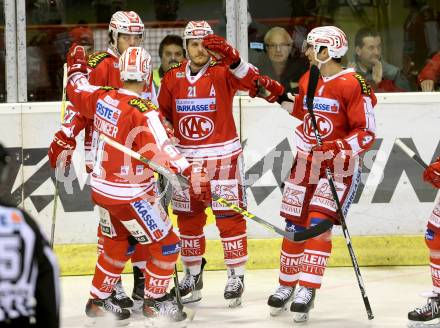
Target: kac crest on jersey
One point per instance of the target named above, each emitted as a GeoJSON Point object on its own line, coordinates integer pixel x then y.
{"type": "Point", "coordinates": [196, 127]}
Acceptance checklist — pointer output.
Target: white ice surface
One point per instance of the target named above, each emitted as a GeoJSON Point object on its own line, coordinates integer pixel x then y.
{"type": "Point", "coordinates": [393, 291]}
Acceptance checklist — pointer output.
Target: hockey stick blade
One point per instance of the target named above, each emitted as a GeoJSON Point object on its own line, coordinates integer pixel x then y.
{"type": "Point", "coordinates": [411, 153]}
{"type": "Point", "coordinates": [190, 313]}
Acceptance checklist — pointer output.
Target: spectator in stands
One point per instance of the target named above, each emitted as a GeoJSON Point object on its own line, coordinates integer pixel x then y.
{"type": "Point", "coordinates": [382, 76]}
{"type": "Point", "coordinates": [421, 35]}
{"type": "Point", "coordinates": [166, 10]}
{"type": "Point", "coordinates": [2, 67]}
{"type": "Point", "coordinates": [278, 62]}
{"type": "Point", "coordinates": [82, 35]}
{"type": "Point", "coordinates": [171, 52]}
{"type": "Point", "coordinates": [430, 74]}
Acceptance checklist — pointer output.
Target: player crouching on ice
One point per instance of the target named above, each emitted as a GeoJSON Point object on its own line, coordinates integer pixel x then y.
{"type": "Point", "coordinates": [125, 187]}
{"type": "Point", "coordinates": [343, 106]}
{"type": "Point", "coordinates": [429, 314]}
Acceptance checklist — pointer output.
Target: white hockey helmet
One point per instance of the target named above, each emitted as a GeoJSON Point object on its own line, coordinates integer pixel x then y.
{"type": "Point", "coordinates": [135, 64]}
{"type": "Point", "coordinates": [126, 22]}
{"type": "Point", "coordinates": [331, 37]}
{"type": "Point", "coordinates": [196, 30]}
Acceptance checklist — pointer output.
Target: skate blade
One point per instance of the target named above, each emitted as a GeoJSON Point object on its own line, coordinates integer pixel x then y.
{"type": "Point", "coordinates": [105, 321]}
{"type": "Point", "coordinates": [190, 313]}
{"type": "Point", "coordinates": [234, 302]}
{"type": "Point", "coordinates": [193, 297]}
{"type": "Point", "coordinates": [299, 317]}
{"type": "Point", "coordinates": [424, 324]}
{"type": "Point", "coordinates": [137, 306]}
{"type": "Point", "coordinates": [276, 311]}
{"type": "Point", "coordinates": [162, 323]}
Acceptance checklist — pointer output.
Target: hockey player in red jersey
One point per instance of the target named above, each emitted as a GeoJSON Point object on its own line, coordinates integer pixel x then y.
{"type": "Point", "coordinates": [126, 187]}
{"type": "Point", "coordinates": [196, 98]}
{"type": "Point", "coordinates": [125, 30]}
{"type": "Point", "coordinates": [429, 314]}
{"type": "Point", "coordinates": [343, 106]}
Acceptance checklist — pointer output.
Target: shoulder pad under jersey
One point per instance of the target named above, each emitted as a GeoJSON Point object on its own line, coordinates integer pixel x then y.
{"type": "Point", "coordinates": [142, 105]}
{"type": "Point", "coordinates": [174, 66]}
{"type": "Point", "coordinates": [365, 87]}
{"type": "Point", "coordinates": [96, 58]}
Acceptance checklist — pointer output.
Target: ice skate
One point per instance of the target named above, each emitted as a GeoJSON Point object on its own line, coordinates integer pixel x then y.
{"type": "Point", "coordinates": [302, 303]}
{"type": "Point", "coordinates": [138, 289]}
{"type": "Point", "coordinates": [103, 311]}
{"type": "Point", "coordinates": [120, 298]}
{"type": "Point", "coordinates": [426, 316]}
{"type": "Point", "coordinates": [279, 301]}
{"type": "Point", "coordinates": [191, 286]}
{"type": "Point", "coordinates": [163, 312]}
{"type": "Point", "coordinates": [233, 290]}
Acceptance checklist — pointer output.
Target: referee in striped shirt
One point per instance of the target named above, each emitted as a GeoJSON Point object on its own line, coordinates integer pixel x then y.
{"type": "Point", "coordinates": [29, 276]}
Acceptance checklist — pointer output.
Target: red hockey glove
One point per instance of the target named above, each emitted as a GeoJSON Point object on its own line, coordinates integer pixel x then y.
{"type": "Point", "coordinates": [76, 60]}
{"type": "Point", "coordinates": [335, 147]}
{"type": "Point", "coordinates": [61, 143]}
{"type": "Point", "coordinates": [221, 50]}
{"type": "Point", "coordinates": [199, 185]}
{"type": "Point", "coordinates": [266, 88]}
{"type": "Point", "coordinates": [432, 174]}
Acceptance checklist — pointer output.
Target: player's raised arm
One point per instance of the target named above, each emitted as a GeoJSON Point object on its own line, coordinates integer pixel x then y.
{"type": "Point", "coordinates": [81, 93]}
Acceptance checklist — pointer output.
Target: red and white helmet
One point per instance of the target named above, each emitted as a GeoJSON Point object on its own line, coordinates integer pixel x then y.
{"type": "Point", "coordinates": [135, 64]}
{"type": "Point", "coordinates": [126, 22]}
{"type": "Point", "coordinates": [196, 30]}
{"type": "Point", "coordinates": [328, 36]}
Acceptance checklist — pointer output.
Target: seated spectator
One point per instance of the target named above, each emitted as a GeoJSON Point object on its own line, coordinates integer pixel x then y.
{"type": "Point", "coordinates": [82, 35]}
{"type": "Point", "coordinates": [279, 63]}
{"type": "Point", "coordinates": [430, 74]}
{"type": "Point", "coordinates": [382, 76]}
{"type": "Point", "coordinates": [171, 52]}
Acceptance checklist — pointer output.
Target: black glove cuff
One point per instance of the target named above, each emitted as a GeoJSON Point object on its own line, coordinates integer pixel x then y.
{"type": "Point", "coordinates": [235, 65]}
{"type": "Point", "coordinates": [282, 98]}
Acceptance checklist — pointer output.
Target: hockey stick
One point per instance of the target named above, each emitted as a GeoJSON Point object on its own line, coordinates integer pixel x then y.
{"type": "Point", "coordinates": [311, 88]}
{"type": "Point", "coordinates": [410, 153]}
{"type": "Point", "coordinates": [190, 313]}
{"type": "Point", "coordinates": [293, 236]}
{"type": "Point", "coordinates": [55, 195]}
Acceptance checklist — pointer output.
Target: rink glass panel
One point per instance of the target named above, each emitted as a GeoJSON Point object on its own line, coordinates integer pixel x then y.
{"type": "Point", "coordinates": [405, 36]}
{"type": "Point", "coordinates": [2, 55]}
{"type": "Point", "coordinates": [52, 26]}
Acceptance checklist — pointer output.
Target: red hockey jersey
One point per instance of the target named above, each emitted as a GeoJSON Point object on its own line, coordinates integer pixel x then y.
{"type": "Point", "coordinates": [124, 117]}
{"type": "Point", "coordinates": [104, 71]}
{"type": "Point", "coordinates": [343, 107]}
{"type": "Point", "coordinates": [431, 71]}
{"type": "Point", "coordinates": [200, 108]}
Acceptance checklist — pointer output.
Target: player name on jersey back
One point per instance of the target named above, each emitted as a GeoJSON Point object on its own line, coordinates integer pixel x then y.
{"type": "Point", "coordinates": [106, 118]}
